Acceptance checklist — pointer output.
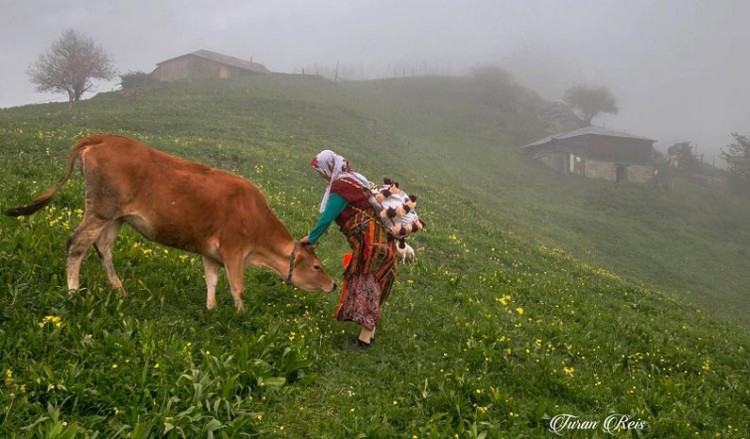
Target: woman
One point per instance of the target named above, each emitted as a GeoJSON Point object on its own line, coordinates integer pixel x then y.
{"type": "Point", "coordinates": [369, 276]}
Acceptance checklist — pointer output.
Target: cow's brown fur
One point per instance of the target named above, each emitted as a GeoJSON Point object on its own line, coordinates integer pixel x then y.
{"type": "Point", "coordinates": [186, 205]}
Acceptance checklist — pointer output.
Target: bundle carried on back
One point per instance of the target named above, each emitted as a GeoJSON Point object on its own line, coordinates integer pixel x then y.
{"type": "Point", "coordinates": [397, 212]}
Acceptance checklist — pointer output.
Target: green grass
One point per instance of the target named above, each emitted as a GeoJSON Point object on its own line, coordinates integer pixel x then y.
{"type": "Point", "coordinates": [533, 294]}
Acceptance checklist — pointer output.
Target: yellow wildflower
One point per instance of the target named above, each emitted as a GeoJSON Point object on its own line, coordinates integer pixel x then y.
{"type": "Point", "coordinates": [54, 320]}
{"type": "Point", "coordinates": [504, 300]}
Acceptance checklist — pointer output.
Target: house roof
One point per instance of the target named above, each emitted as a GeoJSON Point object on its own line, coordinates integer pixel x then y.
{"type": "Point", "coordinates": [586, 131]}
{"type": "Point", "coordinates": [224, 59]}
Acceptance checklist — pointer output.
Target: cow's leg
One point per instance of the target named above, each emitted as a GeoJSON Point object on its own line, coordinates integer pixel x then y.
{"type": "Point", "coordinates": [80, 241]}
{"type": "Point", "coordinates": [235, 266]}
{"type": "Point", "coordinates": [103, 246]}
{"type": "Point", "coordinates": [211, 269]}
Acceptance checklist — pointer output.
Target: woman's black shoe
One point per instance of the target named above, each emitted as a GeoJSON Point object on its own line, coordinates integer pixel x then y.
{"type": "Point", "coordinates": [356, 345]}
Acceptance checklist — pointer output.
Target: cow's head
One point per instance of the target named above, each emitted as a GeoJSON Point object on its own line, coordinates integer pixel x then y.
{"type": "Point", "coordinates": [306, 271]}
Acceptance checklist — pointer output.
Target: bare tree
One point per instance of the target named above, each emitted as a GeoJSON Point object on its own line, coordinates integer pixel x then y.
{"type": "Point", "coordinates": [588, 102]}
{"type": "Point", "coordinates": [70, 65]}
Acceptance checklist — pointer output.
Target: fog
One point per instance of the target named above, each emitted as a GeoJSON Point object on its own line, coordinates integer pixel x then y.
{"type": "Point", "coordinates": [679, 68]}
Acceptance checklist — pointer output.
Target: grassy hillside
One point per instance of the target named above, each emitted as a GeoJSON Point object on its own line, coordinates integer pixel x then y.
{"type": "Point", "coordinates": [678, 235]}
{"type": "Point", "coordinates": [534, 295]}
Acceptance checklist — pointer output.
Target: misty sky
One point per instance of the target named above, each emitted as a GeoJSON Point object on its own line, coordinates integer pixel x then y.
{"type": "Point", "coordinates": [679, 68]}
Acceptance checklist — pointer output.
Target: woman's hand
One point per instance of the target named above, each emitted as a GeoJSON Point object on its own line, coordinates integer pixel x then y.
{"type": "Point", "coordinates": [304, 240]}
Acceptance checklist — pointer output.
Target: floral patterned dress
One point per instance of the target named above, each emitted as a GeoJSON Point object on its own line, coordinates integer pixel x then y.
{"type": "Point", "coordinates": [369, 277]}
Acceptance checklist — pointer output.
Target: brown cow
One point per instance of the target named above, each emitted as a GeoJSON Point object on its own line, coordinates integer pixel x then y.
{"type": "Point", "coordinates": [181, 204]}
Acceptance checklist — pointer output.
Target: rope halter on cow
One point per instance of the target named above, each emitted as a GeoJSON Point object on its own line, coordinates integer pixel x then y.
{"type": "Point", "coordinates": [292, 257]}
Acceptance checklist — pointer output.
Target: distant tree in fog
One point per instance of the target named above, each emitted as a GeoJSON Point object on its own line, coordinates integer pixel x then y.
{"type": "Point", "coordinates": [737, 157]}
{"type": "Point", "coordinates": [494, 75]}
{"type": "Point", "coordinates": [683, 155]}
{"type": "Point", "coordinates": [497, 87]}
{"type": "Point", "coordinates": [589, 102]}
{"type": "Point", "coordinates": [69, 66]}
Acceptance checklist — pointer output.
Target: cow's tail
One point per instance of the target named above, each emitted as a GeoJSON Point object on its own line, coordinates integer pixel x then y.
{"type": "Point", "coordinates": [45, 198]}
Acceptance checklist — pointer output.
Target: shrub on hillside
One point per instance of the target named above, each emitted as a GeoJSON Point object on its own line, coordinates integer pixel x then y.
{"type": "Point", "coordinates": [136, 83]}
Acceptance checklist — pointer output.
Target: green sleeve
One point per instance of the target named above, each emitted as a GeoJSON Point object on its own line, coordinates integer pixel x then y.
{"type": "Point", "coordinates": [336, 204]}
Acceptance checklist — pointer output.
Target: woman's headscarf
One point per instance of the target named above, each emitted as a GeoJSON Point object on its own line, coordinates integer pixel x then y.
{"type": "Point", "coordinates": [333, 167]}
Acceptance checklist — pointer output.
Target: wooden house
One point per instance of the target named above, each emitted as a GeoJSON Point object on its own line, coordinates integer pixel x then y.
{"type": "Point", "coordinates": [597, 152]}
{"type": "Point", "coordinates": [205, 64]}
